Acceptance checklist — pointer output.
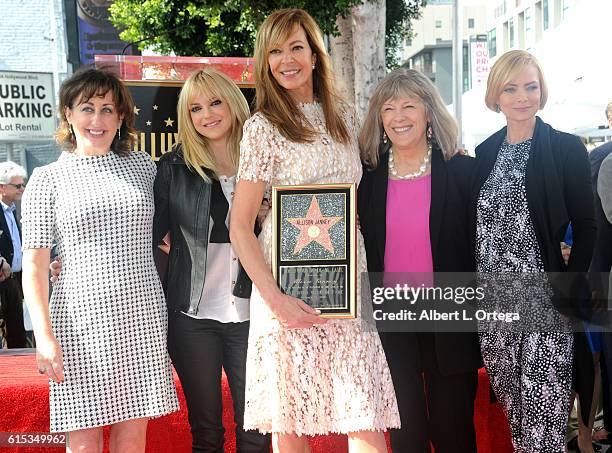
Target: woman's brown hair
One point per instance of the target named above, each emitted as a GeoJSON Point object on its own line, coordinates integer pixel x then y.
{"type": "Point", "coordinates": [84, 85]}
{"type": "Point", "coordinates": [274, 102]}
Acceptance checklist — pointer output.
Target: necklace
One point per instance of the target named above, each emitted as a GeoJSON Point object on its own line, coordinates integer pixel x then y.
{"type": "Point", "coordinates": [422, 169]}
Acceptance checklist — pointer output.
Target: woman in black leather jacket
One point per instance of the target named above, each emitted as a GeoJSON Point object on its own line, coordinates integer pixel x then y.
{"type": "Point", "coordinates": [207, 291]}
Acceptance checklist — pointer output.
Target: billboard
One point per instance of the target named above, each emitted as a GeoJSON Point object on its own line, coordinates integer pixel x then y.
{"type": "Point", "coordinates": [97, 36]}
{"type": "Point", "coordinates": [26, 106]}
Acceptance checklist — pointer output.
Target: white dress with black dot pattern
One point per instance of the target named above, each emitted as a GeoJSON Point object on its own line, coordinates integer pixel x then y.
{"type": "Point", "coordinates": [107, 308]}
{"type": "Point", "coordinates": [530, 371]}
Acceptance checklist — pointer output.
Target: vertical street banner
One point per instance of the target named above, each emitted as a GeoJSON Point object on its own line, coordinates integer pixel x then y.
{"type": "Point", "coordinates": [479, 61]}
{"type": "Point", "coordinates": [27, 107]}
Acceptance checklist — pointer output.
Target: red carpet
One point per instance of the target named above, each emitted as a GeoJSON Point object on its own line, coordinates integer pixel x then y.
{"type": "Point", "coordinates": [24, 407]}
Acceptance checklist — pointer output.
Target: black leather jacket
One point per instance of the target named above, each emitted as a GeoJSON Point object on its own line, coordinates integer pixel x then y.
{"type": "Point", "coordinates": [182, 207]}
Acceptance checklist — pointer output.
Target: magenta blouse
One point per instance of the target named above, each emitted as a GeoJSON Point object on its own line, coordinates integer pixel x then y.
{"type": "Point", "coordinates": [408, 247]}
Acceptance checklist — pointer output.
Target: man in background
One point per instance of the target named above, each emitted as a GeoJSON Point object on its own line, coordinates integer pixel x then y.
{"type": "Point", "coordinates": [12, 184]}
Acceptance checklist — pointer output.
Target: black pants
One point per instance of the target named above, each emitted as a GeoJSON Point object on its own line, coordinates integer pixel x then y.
{"type": "Point", "coordinates": [199, 348]}
{"type": "Point", "coordinates": [433, 408]}
{"type": "Point", "coordinates": [11, 311]}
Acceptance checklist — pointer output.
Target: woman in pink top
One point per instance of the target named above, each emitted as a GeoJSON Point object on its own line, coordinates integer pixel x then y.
{"type": "Point", "coordinates": [413, 211]}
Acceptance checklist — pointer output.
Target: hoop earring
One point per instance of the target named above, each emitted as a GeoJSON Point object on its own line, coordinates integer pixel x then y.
{"type": "Point", "coordinates": [119, 132]}
{"type": "Point", "coordinates": [429, 133]}
{"type": "Point", "coordinates": [385, 139]}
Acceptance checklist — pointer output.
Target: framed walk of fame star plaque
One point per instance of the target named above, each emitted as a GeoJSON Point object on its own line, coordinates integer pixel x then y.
{"type": "Point", "coordinates": [313, 253]}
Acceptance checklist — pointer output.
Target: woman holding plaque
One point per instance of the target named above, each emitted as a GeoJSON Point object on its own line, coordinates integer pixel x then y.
{"type": "Point", "coordinates": [207, 290]}
{"type": "Point", "coordinates": [305, 375]}
{"type": "Point", "coordinates": [531, 181]}
{"type": "Point", "coordinates": [413, 215]}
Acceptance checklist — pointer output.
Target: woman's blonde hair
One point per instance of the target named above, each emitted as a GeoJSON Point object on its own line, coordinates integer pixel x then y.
{"type": "Point", "coordinates": [508, 67]}
{"type": "Point", "coordinates": [274, 102]}
{"type": "Point", "coordinates": [196, 148]}
{"type": "Point", "coordinates": [407, 83]}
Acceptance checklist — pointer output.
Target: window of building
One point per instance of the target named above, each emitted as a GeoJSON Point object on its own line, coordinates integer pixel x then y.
{"type": "Point", "coordinates": [557, 15]}
{"type": "Point", "coordinates": [466, 70]}
{"type": "Point", "coordinates": [438, 24]}
{"type": "Point", "coordinates": [427, 66]}
{"type": "Point", "coordinates": [545, 16]}
{"type": "Point", "coordinates": [529, 28]}
{"type": "Point", "coordinates": [567, 4]}
{"type": "Point", "coordinates": [511, 32]}
{"type": "Point", "coordinates": [500, 9]}
{"type": "Point", "coordinates": [505, 37]}
{"type": "Point", "coordinates": [520, 30]}
{"type": "Point", "coordinates": [492, 40]}
{"type": "Point", "coordinates": [537, 22]}
{"type": "Point", "coordinates": [408, 42]}
{"type": "Point", "coordinates": [470, 23]}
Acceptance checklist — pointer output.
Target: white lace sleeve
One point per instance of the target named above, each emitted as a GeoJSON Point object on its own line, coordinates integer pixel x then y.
{"type": "Point", "coordinates": [38, 211]}
{"type": "Point", "coordinates": [257, 150]}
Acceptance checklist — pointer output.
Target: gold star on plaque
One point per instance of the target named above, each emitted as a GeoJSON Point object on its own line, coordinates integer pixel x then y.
{"type": "Point", "coordinates": [155, 107]}
{"type": "Point", "coordinates": [148, 123]}
{"type": "Point", "coordinates": [169, 122]}
{"type": "Point", "coordinates": [136, 110]}
{"type": "Point", "coordinates": [314, 228]}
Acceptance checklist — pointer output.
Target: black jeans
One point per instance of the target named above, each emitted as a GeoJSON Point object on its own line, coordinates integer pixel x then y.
{"type": "Point", "coordinates": [11, 311]}
{"type": "Point", "coordinates": [199, 348]}
{"type": "Point", "coordinates": [433, 407]}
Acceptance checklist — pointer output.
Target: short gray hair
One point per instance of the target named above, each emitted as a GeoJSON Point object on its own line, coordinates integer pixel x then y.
{"type": "Point", "coordinates": [9, 170]}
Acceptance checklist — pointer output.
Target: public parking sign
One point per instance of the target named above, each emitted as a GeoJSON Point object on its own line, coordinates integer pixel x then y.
{"type": "Point", "coordinates": [26, 106]}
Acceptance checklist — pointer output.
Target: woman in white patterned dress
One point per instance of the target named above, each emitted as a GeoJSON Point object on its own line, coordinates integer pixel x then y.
{"type": "Point", "coordinates": [305, 376]}
{"type": "Point", "coordinates": [101, 339]}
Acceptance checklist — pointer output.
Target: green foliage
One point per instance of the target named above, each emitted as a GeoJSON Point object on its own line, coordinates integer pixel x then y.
{"type": "Point", "coordinates": [400, 13]}
{"type": "Point", "coordinates": [194, 27]}
{"type": "Point", "coordinates": [227, 28]}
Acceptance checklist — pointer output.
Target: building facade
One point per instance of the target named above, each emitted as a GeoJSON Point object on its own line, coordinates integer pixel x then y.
{"type": "Point", "coordinates": [34, 40]}
{"type": "Point", "coordinates": [570, 40]}
{"type": "Point", "coordinates": [430, 49]}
